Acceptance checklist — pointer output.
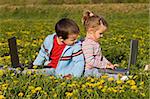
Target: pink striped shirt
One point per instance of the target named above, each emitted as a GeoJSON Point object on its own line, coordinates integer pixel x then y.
{"type": "Point", "coordinates": [93, 54]}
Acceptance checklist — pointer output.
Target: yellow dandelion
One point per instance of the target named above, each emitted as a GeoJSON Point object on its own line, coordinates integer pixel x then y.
{"type": "Point", "coordinates": [18, 69]}
{"type": "Point", "coordinates": [104, 76]}
{"type": "Point", "coordinates": [83, 86]}
{"type": "Point", "coordinates": [119, 81]}
{"type": "Point", "coordinates": [88, 78]}
{"type": "Point", "coordinates": [30, 87]}
{"type": "Point", "coordinates": [142, 83]}
{"type": "Point", "coordinates": [4, 86]}
{"type": "Point", "coordinates": [92, 80]}
{"type": "Point", "coordinates": [132, 82]}
{"type": "Point", "coordinates": [20, 94]}
{"type": "Point", "coordinates": [29, 72]}
{"type": "Point", "coordinates": [5, 66]}
{"type": "Point", "coordinates": [38, 89]}
{"type": "Point", "coordinates": [114, 90]}
{"type": "Point", "coordinates": [100, 87]}
{"type": "Point", "coordinates": [134, 87]}
{"type": "Point", "coordinates": [121, 91]}
{"type": "Point", "coordinates": [101, 81]}
{"type": "Point", "coordinates": [68, 94]}
{"type": "Point", "coordinates": [63, 84]}
{"type": "Point", "coordinates": [143, 94]}
{"type": "Point", "coordinates": [111, 79]}
{"type": "Point", "coordinates": [2, 97]}
{"type": "Point", "coordinates": [34, 67]}
{"type": "Point", "coordinates": [104, 89]}
{"type": "Point", "coordinates": [89, 90]}
{"type": "Point", "coordinates": [35, 75]}
{"type": "Point", "coordinates": [12, 74]}
{"type": "Point", "coordinates": [135, 77]}
{"type": "Point", "coordinates": [52, 77]}
{"type": "Point", "coordinates": [119, 75]}
{"type": "Point", "coordinates": [1, 73]}
{"type": "Point", "coordinates": [26, 61]}
{"type": "Point", "coordinates": [55, 95]}
{"type": "Point", "coordinates": [131, 76]}
{"type": "Point", "coordinates": [33, 91]}
{"type": "Point", "coordinates": [15, 81]}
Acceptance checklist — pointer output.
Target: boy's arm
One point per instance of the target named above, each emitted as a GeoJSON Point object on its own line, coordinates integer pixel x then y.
{"type": "Point", "coordinates": [79, 61]}
{"type": "Point", "coordinates": [42, 53]}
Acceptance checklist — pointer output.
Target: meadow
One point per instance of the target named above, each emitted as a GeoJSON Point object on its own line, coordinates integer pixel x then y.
{"type": "Point", "coordinates": [32, 23]}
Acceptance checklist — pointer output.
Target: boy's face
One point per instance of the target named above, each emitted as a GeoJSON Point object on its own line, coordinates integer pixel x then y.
{"type": "Point", "coordinates": [72, 38]}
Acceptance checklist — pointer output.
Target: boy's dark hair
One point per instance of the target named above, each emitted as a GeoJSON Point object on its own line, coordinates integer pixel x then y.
{"type": "Point", "coordinates": [66, 26]}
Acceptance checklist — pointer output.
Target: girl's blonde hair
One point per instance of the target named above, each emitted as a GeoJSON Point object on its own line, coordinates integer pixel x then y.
{"type": "Point", "coordinates": [90, 20]}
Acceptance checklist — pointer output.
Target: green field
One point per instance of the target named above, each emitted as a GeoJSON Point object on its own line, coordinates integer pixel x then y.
{"type": "Point", "coordinates": [32, 23]}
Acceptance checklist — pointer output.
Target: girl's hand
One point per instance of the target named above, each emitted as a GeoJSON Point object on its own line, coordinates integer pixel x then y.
{"type": "Point", "coordinates": [111, 66]}
{"type": "Point", "coordinates": [116, 65]}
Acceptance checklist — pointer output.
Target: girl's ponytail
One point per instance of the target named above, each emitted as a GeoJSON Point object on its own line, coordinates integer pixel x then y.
{"type": "Point", "coordinates": [86, 15]}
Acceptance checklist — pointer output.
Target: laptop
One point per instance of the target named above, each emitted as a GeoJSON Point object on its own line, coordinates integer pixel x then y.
{"type": "Point", "coordinates": [131, 61]}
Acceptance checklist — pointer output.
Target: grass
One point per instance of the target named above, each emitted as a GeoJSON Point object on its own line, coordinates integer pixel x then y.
{"type": "Point", "coordinates": [32, 23]}
{"type": "Point", "coordinates": [46, 2]}
{"type": "Point", "coordinates": [123, 19]}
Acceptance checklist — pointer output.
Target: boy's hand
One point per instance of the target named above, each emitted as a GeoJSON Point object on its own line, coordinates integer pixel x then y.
{"type": "Point", "coordinates": [111, 66]}
{"type": "Point", "coordinates": [69, 76]}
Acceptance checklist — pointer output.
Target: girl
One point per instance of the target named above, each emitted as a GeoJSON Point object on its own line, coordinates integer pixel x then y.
{"type": "Point", "coordinates": [95, 26]}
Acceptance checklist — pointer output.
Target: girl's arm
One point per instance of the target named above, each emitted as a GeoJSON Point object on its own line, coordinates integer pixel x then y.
{"type": "Point", "coordinates": [94, 58]}
{"type": "Point", "coordinates": [91, 59]}
{"type": "Point", "coordinates": [106, 63]}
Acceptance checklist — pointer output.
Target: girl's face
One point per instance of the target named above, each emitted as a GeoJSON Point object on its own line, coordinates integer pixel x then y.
{"type": "Point", "coordinates": [97, 32]}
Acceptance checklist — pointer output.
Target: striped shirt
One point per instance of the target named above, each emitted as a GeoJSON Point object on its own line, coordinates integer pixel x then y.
{"type": "Point", "coordinates": [93, 55]}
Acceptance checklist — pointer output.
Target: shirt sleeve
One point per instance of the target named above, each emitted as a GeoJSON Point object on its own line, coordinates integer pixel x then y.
{"type": "Point", "coordinates": [78, 60]}
{"type": "Point", "coordinates": [42, 53]}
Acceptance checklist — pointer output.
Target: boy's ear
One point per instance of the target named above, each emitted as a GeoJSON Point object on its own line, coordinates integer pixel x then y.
{"type": "Point", "coordinates": [60, 38]}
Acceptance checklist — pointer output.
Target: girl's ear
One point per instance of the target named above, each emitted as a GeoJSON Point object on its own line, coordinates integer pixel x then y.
{"type": "Point", "coordinates": [86, 15]}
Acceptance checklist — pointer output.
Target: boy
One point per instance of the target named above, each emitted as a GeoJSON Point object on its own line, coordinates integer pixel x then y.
{"type": "Point", "coordinates": [61, 52]}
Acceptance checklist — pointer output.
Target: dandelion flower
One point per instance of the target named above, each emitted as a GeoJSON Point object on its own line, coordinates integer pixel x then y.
{"type": "Point", "coordinates": [104, 76]}
{"type": "Point", "coordinates": [134, 87]}
{"type": "Point", "coordinates": [1, 73]}
{"type": "Point", "coordinates": [119, 81]}
{"type": "Point", "coordinates": [38, 89]}
{"type": "Point", "coordinates": [35, 67]}
{"type": "Point", "coordinates": [2, 97]}
{"type": "Point", "coordinates": [20, 94]}
{"type": "Point", "coordinates": [111, 79]}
